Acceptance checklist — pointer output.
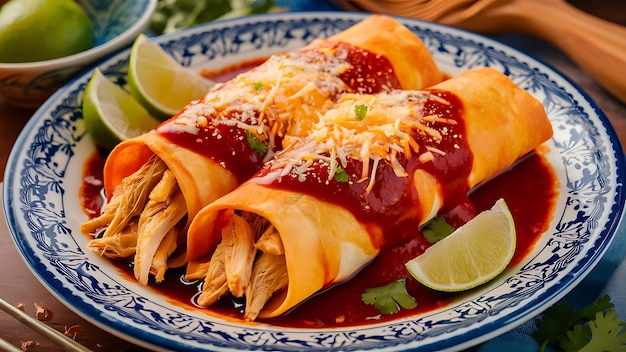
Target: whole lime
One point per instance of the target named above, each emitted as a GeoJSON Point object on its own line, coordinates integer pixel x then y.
{"type": "Point", "coordinates": [36, 30]}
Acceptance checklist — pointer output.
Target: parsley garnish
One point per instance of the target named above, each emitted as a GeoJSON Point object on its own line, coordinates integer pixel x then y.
{"type": "Point", "coordinates": [258, 85]}
{"type": "Point", "coordinates": [256, 144]}
{"type": "Point", "coordinates": [593, 328]}
{"type": "Point", "coordinates": [436, 229]}
{"type": "Point", "coordinates": [360, 111]}
{"type": "Point", "coordinates": [389, 298]}
{"type": "Point", "coordinates": [341, 175]}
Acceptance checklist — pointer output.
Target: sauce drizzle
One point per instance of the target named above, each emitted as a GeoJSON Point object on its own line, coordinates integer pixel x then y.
{"type": "Point", "coordinates": [358, 69]}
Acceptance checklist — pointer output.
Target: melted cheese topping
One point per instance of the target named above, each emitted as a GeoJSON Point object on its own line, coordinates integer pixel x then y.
{"type": "Point", "coordinates": [283, 96]}
{"type": "Point", "coordinates": [370, 128]}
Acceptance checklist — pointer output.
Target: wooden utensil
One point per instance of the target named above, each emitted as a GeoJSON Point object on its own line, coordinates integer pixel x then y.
{"type": "Point", "coordinates": [596, 45]}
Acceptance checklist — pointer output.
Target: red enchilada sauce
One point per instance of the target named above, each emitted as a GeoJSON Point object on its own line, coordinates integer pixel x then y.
{"type": "Point", "coordinates": [393, 203]}
{"type": "Point", "coordinates": [367, 73]}
{"type": "Point", "coordinates": [528, 188]}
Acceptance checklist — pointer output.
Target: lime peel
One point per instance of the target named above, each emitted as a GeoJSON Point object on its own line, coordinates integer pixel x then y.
{"type": "Point", "coordinates": [111, 114]}
{"type": "Point", "coordinates": [472, 255]}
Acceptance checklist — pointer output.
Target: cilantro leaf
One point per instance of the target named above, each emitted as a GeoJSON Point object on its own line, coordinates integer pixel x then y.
{"type": "Point", "coordinates": [360, 111]}
{"type": "Point", "coordinates": [341, 175]}
{"type": "Point", "coordinates": [592, 328]}
{"type": "Point", "coordinates": [607, 333]}
{"type": "Point", "coordinates": [258, 85]}
{"type": "Point", "coordinates": [601, 304]}
{"type": "Point", "coordinates": [436, 229]}
{"type": "Point", "coordinates": [576, 338]}
{"type": "Point", "coordinates": [389, 298]}
{"type": "Point", "coordinates": [256, 144]}
{"type": "Point", "coordinates": [554, 323]}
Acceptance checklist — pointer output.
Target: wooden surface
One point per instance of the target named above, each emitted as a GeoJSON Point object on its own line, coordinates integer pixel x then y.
{"type": "Point", "coordinates": [18, 285]}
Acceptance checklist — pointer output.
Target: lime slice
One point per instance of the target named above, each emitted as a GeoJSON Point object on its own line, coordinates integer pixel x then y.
{"type": "Point", "coordinates": [472, 255]}
{"type": "Point", "coordinates": [159, 83]}
{"type": "Point", "coordinates": [111, 114]}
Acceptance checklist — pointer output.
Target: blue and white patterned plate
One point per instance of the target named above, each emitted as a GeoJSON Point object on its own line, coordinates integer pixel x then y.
{"type": "Point", "coordinates": [44, 214]}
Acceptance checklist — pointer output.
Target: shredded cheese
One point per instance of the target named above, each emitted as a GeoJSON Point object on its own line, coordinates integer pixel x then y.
{"type": "Point", "coordinates": [283, 96]}
{"type": "Point", "coordinates": [293, 96]}
{"type": "Point", "coordinates": [388, 131]}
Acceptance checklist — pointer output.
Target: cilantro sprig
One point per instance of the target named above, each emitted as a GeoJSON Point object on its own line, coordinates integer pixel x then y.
{"type": "Point", "coordinates": [360, 111]}
{"type": "Point", "coordinates": [389, 298]}
{"type": "Point", "coordinates": [340, 174]}
{"type": "Point", "coordinates": [593, 328]}
{"type": "Point", "coordinates": [256, 144]}
{"type": "Point", "coordinates": [436, 229]}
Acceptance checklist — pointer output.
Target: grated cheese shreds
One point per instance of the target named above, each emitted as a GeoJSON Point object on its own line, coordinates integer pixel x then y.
{"type": "Point", "coordinates": [282, 97]}
{"type": "Point", "coordinates": [387, 131]}
{"type": "Point", "coordinates": [370, 185]}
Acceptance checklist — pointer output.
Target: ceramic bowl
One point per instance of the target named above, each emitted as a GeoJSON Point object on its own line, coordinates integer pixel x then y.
{"type": "Point", "coordinates": [116, 25]}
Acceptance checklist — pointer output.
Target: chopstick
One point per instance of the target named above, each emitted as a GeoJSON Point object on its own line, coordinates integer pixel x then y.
{"type": "Point", "coordinates": [5, 346]}
{"type": "Point", "coordinates": [43, 329]}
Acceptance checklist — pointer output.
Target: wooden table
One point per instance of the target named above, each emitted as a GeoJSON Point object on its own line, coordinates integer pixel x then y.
{"type": "Point", "coordinates": [18, 285]}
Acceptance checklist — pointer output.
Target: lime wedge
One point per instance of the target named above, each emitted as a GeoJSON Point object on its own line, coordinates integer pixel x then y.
{"type": "Point", "coordinates": [159, 83]}
{"type": "Point", "coordinates": [111, 114]}
{"type": "Point", "coordinates": [472, 255]}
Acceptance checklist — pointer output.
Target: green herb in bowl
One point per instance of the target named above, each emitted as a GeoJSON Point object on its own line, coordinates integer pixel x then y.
{"type": "Point", "coordinates": [174, 15]}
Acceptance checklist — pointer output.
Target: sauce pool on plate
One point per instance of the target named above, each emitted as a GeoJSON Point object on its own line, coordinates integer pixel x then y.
{"type": "Point", "coordinates": [528, 187]}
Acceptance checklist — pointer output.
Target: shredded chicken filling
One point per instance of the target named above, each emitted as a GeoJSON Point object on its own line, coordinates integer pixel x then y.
{"type": "Point", "coordinates": [249, 262]}
{"type": "Point", "coordinates": [143, 219]}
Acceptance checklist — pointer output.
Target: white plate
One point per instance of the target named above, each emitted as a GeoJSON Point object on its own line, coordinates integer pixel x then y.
{"type": "Point", "coordinates": [43, 212]}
